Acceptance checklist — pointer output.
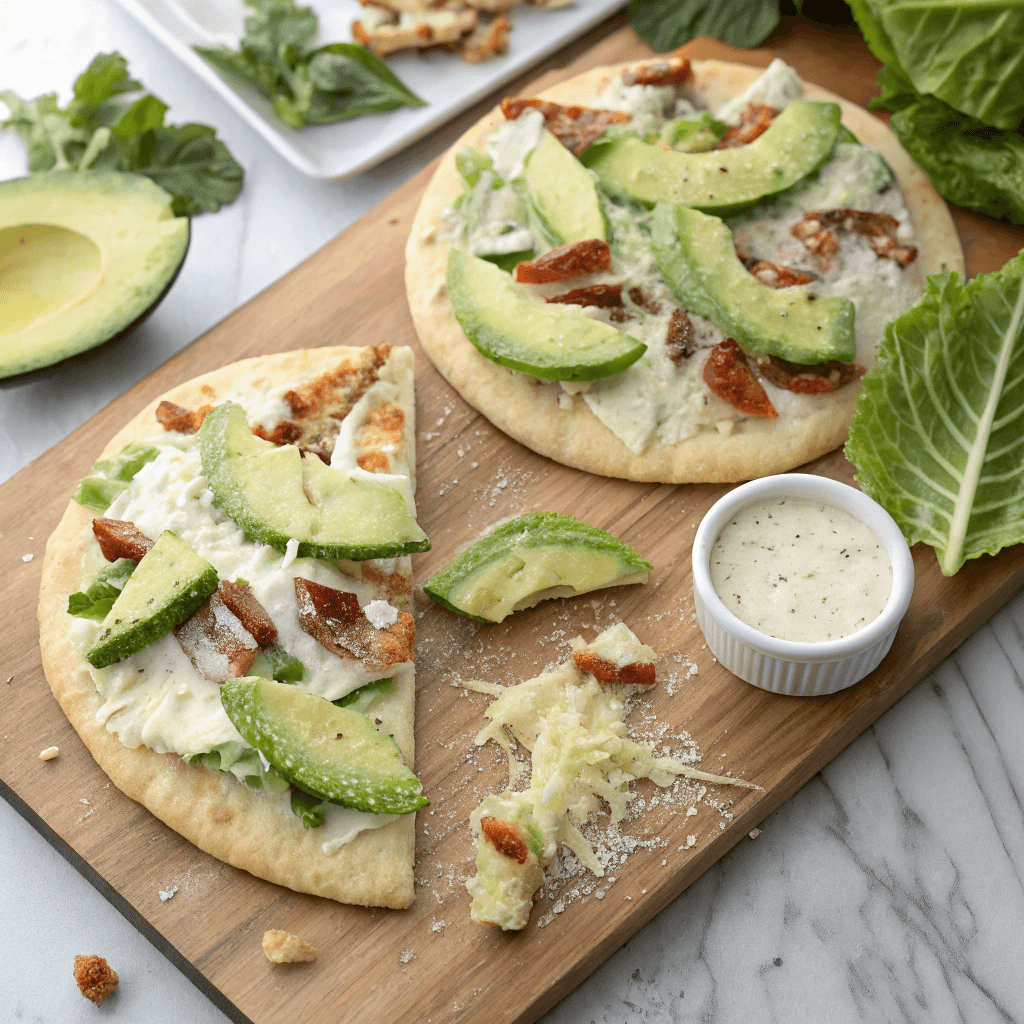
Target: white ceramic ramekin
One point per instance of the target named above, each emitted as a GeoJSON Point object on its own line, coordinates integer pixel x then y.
{"type": "Point", "coordinates": [795, 667]}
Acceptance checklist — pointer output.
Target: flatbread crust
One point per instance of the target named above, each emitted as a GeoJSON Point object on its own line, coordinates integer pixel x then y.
{"type": "Point", "coordinates": [212, 809]}
{"type": "Point", "coordinates": [528, 409]}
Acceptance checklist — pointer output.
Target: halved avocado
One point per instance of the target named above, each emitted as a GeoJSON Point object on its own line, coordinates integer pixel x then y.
{"type": "Point", "coordinates": [550, 341]}
{"type": "Point", "coordinates": [532, 558]}
{"type": "Point", "coordinates": [84, 256]}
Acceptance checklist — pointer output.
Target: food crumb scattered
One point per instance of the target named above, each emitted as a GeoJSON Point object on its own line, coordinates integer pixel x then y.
{"type": "Point", "coordinates": [691, 841]}
{"type": "Point", "coordinates": [27, 558]}
{"type": "Point", "coordinates": [691, 812]}
{"type": "Point", "coordinates": [439, 926]}
{"type": "Point", "coordinates": [281, 947]}
{"type": "Point", "coordinates": [754, 833]}
{"type": "Point", "coordinates": [166, 894]}
{"type": "Point", "coordinates": [49, 753]}
{"type": "Point", "coordinates": [95, 978]}
{"type": "Point", "coordinates": [408, 955]}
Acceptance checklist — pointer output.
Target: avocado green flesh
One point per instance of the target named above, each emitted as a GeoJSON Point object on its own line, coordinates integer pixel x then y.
{"type": "Point", "coordinates": [327, 751]}
{"type": "Point", "coordinates": [696, 256]}
{"type": "Point", "coordinates": [563, 192]}
{"type": "Point", "coordinates": [530, 559]}
{"type": "Point", "coordinates": [83, 256]}
{"type": "Point", "coordinates": [276, 494]}
{"type": "Point", "coordinates": [722, 181]}
{"type": "Point", "coordinates": [168, 585]}
{"type": "Point", "coordinates": [547, 340]}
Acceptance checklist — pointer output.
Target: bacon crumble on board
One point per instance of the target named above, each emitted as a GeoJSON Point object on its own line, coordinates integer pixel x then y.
{"type": "Point", "coordinates": [679, 339]}
{"type": "Point", "coordinates": [806, 380]}
{"type": "Point", "coordinates": [878, 228]}
{"type": "Point", "coordinates": [569, 260]}
{"type": "Point", "coordinates": [574, 127]}
{"type": "Point", "coordinates": [729, 376]}
{"type": "Point", "coordinates": [95, 978]}
{"type": "Point", "coordinates": [336, 620]}
{"type": "Point", "coordinates": [674, 71]}
{"type": "Point", "coordinates": [216, 641]}
{"type": "Point", "coordinates": [505, 838]}
{"type": "Point", "coordinates": [754, 122]}
{"type": "Point", "coordinates": [120, 539]}
{"type": "Point", "coordinates": [776, 276]}
{"type": "Point", "coordinates": [605, 671]}
{"type": "Point", "coordinates": [177, 417]}
{"type": "Point", "coordinates": [605, 296]}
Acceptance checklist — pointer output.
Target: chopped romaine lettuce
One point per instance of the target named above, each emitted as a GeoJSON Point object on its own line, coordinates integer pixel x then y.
{"type": "Point", "coordinates": [274, 662]}
{"type": "Point", "coordinates": [98, 598]}
{"type": "Point", "coordinates": [110, 477]}
{"type": "Point", "coordinates": [364, 696]}
{"type": "Point", "coordinates": [244, 763]}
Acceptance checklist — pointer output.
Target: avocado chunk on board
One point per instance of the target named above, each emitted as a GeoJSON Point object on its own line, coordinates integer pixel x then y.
{"type": "Point", "coordinates": [550, 341]}
{"type": "Point", "coordinates": [275, 494]}
{"type": "Point", "coordinates": [329, 752]}
{"type": "Point", "coordinates": [532, 558]}
{"type": "Point", "coordinates": [696, 255]}
{"type": "Point", "coordinates": [84, 257]}
{"type": "Point", "coordinates": [725, 181]}
{"type": "Point", "coordinates": [563, 193]}
{"type": "Point", "coordinates": [168, 585]}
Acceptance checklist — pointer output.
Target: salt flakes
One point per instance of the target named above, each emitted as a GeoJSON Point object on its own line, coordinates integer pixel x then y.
{"type": "Point", "coordinates": [381, 614]}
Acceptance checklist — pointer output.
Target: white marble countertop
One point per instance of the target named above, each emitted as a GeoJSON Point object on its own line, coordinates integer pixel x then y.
{"type": "Point", "coordinates": [890, 888]}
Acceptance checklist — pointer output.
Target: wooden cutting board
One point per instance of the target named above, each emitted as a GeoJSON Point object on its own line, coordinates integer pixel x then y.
{"type": "Point", "coordinates": [430, 963]}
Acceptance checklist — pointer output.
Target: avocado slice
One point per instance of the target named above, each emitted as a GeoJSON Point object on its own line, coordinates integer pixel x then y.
{"type": "Point", "coordinates": [696, 255]}
{"type": "Point", "coordinates": [329, 752]}
{"type": "Point", "coordinates": [532, 558]}
{"type": "Point", "coordinates": [722, 181]}
{"type": "Point", "coordinates": [84, 257]}
{"type": "Point", "coordinates": [168, 585]}
{"type": "Point", "coordinates": [550, 341]}
{"type": "Point", "coordinates": [276, 494]}
{"type": "Point", "coordinates": [563, 193]}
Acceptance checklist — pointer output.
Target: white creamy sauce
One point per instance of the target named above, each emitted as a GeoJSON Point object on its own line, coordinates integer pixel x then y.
{"type": "Point", "coordinates": [797, 569]}
{"type": "Point", "coordinates": [156, 697]}
{"type": "Point", "coordinates": [655, 399]}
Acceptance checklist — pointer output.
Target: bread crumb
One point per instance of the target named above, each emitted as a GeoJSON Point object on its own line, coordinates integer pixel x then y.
{"type": "Point", "coordinates": [96, 979]}
{"type": "Point", "coordinates": [691, 841]}
{"type": "Point", "coordinates": [49, 753]}
{"type": "Point", "coordinates": [282, 947]}
{"type": "Point", "coordinates": [754, 833]}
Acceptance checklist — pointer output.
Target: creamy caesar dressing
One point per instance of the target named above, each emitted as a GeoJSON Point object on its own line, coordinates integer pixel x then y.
{"type": "Point", "coordinates": [156, 697]}
{"type": "Point", "coordinates": [658, 398]}
{"type": "Point", "coordinates": [797, 569]}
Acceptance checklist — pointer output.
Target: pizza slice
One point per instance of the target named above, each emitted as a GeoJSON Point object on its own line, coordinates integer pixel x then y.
{"type": "Point", "coordinates": [241, 552]}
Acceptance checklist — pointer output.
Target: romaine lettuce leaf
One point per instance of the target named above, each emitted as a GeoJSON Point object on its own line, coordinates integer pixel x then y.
{"type": "Point", "coordinates": [938, 437]}
{"type": "Point", "coordinates": [360, 699]}
{"type": "Point", "coordinates": [244, 763]}
{"type": "Point", "coordinates": [99, 598]}
{"type": "Point", "coordinates": [109, 477]}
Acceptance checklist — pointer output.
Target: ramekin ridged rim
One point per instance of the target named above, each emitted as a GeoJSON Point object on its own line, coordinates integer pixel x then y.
{"type": "Point", "coordinates": [830, 492]}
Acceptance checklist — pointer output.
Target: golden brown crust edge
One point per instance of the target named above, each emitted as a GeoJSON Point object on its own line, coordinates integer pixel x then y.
{"type": "Point", "coordinates": [529, 412]}
{"type": "Point", "coordinates": [211, 809]}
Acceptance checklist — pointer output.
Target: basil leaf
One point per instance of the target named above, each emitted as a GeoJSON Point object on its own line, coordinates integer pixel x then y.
{"type": "Point", "coordinates": [666, 24]}
{"type": "Point", "coordinates": [106, 76]}
{"type": "Point", "coordinates": [937, 434]}
{"type": "Point", "coordinates": [350, 81]}
{"type": "Point", "coordinates": [360, 699]}
{"type": "Point", "coordinates": [47, 131]}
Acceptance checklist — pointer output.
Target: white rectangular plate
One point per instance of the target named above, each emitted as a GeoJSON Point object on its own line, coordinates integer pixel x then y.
{"type": "Point", "coordinates": [446, 82]}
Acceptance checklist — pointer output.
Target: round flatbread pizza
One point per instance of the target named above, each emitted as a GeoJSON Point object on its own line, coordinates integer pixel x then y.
{"type": "Point", "coordinates": [153, 720]}
{"type": "Point", "coordinates": [855, 234]}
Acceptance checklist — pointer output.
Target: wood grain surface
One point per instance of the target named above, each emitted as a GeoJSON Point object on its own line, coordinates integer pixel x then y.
{"type": "Point", "coordinates": [430, 963]}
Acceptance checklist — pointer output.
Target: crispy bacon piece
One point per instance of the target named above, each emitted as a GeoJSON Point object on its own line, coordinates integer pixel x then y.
{"type": "Point", "coordinates": [486, 41]}
{"type": "Point", "coordinates": [574, 127]}
{"type": "Point", "coordinates": [569, 260]}
{"type": "Point", "coordinates": [282, 432]}
{"type": "Point", "coordinates": [674, 71]}
{"type": "Point", "coordinates": [878, 228]}
{"type": "Point", "coordinates": [807, 380]}
{"type": "Point", "coordinates": [216, 642]}
{"type": "Point", "coordinates": [756, 120]}
{"type": "Point", "coordinates": [120, 539]}
{"type": "Point", "coordinates": [730, 377]}
{"type": "Point", "coordinates": [336, 620]}
{"type": "Point", "coordinates": [240, 600]}
{"type": "Point", "coordinates": [679, 339]}
{"type": "Point", "coordinates": [95, 978]}
{"type": "Point", "coordinates": [380, 438]}
{"type": "Point", "coordinates": [606, 296]}
{"type": "Point", "coordinates": [638, 296]}
{"type": "Point", "coordinates": [605, 671]}
{"type": "Point", "coordinates": [505, 837]}
{"type": "Point", "coordinates": [177, 417]}
{"type": "Point", "coordinates": [776, 276]}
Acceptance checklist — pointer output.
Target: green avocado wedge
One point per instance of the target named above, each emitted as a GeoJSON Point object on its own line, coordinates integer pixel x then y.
{"type": "Point", "coordinates": [723, 181]}
{"type": "Point", "coordinates": [276, 494]}
{"type": "Point", "coordinates": [532, 558]}
{"type": "Point", "coordinates": [547, 340]}
{"type": "Point", "coordinates": [696, 255]}
{"type": "Point", "coordinates": [329, 752]}
{"type": "Point", "coordinates": [168, 585]}
{"type": "Point", "coordinates": [563, 193]}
